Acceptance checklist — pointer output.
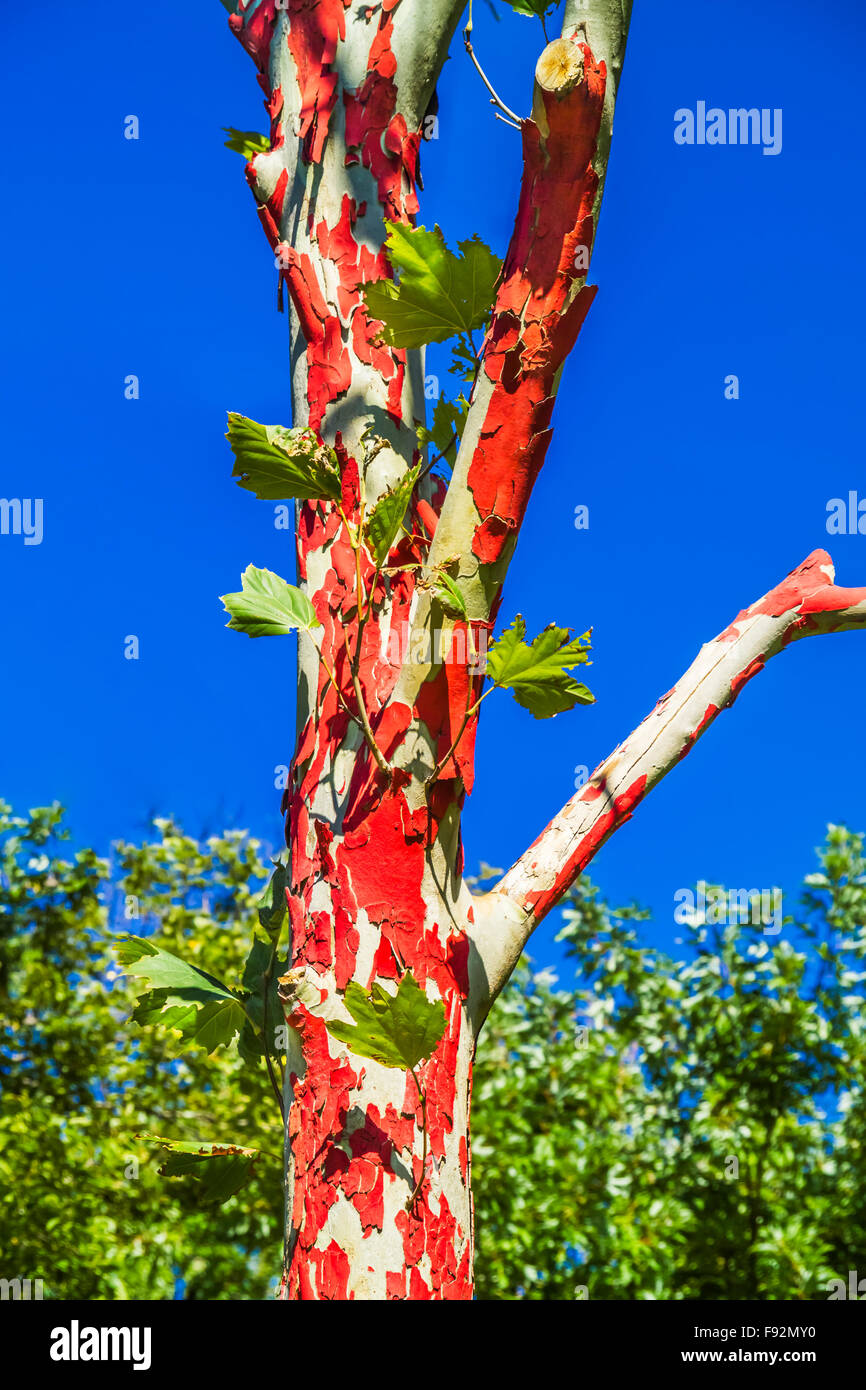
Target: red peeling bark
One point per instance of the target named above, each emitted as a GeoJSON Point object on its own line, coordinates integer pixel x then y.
{"type": "Point", "coordinates": [376, 856]}
{"type": "Point", "coordinates": [315, 28]}
{"type": "Point", "coordinates": [540, 307]}
{"type": "Point", "coordinates": [363, 874]}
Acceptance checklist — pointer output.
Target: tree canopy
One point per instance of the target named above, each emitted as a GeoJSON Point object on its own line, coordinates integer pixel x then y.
{"type": "Point", "coordinates": [655, 1128]}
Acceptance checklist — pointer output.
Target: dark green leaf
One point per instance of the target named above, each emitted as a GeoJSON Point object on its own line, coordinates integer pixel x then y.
{"type": "Point", "coordinates": [274, 907]}
{"type": "Point", "coordinates": [449, 419]}
{"type": "Point", "coordinates": [219, 1170]}
{"type": "Point", "coordinates": [386, 519]}
{"type": "Point", "coordinates": [397, 1030]}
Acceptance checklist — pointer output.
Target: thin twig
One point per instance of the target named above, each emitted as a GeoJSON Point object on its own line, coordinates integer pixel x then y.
{"type": "Point", "coordinates": [470, 710]}
{"type": "Point", "coordinates": [455, 439]}
{"type": "Point", "coordinates": [333, 679]}
{"type": "Point", "coordinates": [497, 100]}
{"type": "Point", "coordinates": [381, 760]}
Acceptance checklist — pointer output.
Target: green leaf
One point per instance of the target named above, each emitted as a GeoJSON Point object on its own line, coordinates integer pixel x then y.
{"type": "Point", "coordinates": [438, 294]}
{"type": "Point", "coordinates": [449, 596]}
{"type": "Point", "coordinates": [246, 142]}
{"type": "Point", "coordinates": [464, 362]}
{"type": "Point", "coordinates": [220, 1170]}
{"type": "Point", "coordinates": [384, 522]}
{"type": "Point", "coordinates": [537, 672]}
{"type": "Point", "coordinates": [267, 606]}
{"type": "Point", "coordinates": [274, 906]}
{"type": "Point", "coordinates": [260, 979]}
{"type": "Point", "coordinates": [182, 983]}
{"type": "Point", "coordinates": [258, 965]}
{"type": "Point", "coordinates": [201, 1008]}
{"type": "Point", "coordinates": [397, 1030]}
{"type": "Point", "coordinates": [275, 463]}
{"type": "Point", "coordinates": [535, 9]}
{"type": "Point", "coordinates": [215, 1025]}
{"type": "Point", "coordinates": [449, 420]}
{"type": "Point", "coordinates": [153, 1008]}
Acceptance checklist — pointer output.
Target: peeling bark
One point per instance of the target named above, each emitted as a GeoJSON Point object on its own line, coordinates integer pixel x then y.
{"type": "Point", "coordinates": [805, 604]}
{"type": "Point", "coordinates": [376, 858]}
{"type": "Point", "coordinates": [377, 787]}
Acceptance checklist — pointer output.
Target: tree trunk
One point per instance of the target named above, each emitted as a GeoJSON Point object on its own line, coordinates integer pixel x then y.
{"type": "Point", "coordinates": [376, 862]}
{"type": "Point", "coordinates": [378, 1167]}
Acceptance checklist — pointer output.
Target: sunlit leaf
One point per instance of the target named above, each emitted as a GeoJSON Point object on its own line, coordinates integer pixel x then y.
{"type": "Point", "coordinates": [537, 672]}
{"type": "Point", "coordinates": [386, 519]}
{"type": "Point", "coordinates": [275, 463]}
{"type": "Point", "coordinates": [437, 294]}
{"type": "Point", "coordinates": [268, 607]}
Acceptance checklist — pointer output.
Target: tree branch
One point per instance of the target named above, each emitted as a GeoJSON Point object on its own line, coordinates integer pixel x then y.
{"type": "Point", "coordinates": [805, 604]}
{"type": "Point", "coordinates": [540, 307]}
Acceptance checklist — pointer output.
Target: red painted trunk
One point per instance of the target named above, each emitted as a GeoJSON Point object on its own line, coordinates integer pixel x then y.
{"type": "Point", "coordinates": [376, 1208]}
{"type": "Point", "coordinates": [376, 860]}
{"type": "Point", "coordinates": [376, 889]}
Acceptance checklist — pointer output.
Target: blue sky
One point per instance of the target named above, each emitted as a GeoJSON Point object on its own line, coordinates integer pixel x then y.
{"type": "Point", "coordinates": [146, 257]}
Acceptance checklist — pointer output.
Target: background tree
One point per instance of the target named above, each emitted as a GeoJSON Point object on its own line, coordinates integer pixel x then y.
{"type": "Point", "coordinates": [392, 560]}
{"type": "Point", "coordinates": [605, 1116]}
{"type": "Point", "coordinates": [83, 1205]}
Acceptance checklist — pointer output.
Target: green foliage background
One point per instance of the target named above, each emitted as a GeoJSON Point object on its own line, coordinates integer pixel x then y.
{"type": "Point", "coordinates": [607, 1114]}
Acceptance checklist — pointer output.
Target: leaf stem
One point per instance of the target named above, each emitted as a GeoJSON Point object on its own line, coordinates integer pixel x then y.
{"type": "Point", "coordinates": [428, 468]}
{"type": "Point", "coordinates": [333, 679]}
{"type": "Point", "coordinates": [470, 710]}
{"type": "Point", "coordinates": [268, 1063]}
{"type": "Point", "coordinates": [422, 1096]}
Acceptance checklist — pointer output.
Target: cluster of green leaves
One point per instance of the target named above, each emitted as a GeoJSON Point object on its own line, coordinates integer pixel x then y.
{"type": "Point", "coordinates": [688, 1128]}
{"type": "Point", "coordinates": [83, 1205]}
{"type": "Point", "coordinates": [436, 296]}
{"type": "Point", "coordinates": [605, 1114]}
{"type": "Point", "coordinates": [277, 463]}
{"type": "Point", "coordinates": [274, 463]}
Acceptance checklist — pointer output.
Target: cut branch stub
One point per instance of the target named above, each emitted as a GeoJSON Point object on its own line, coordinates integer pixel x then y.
{"type": "Point", "coordinates": [558, 71]}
